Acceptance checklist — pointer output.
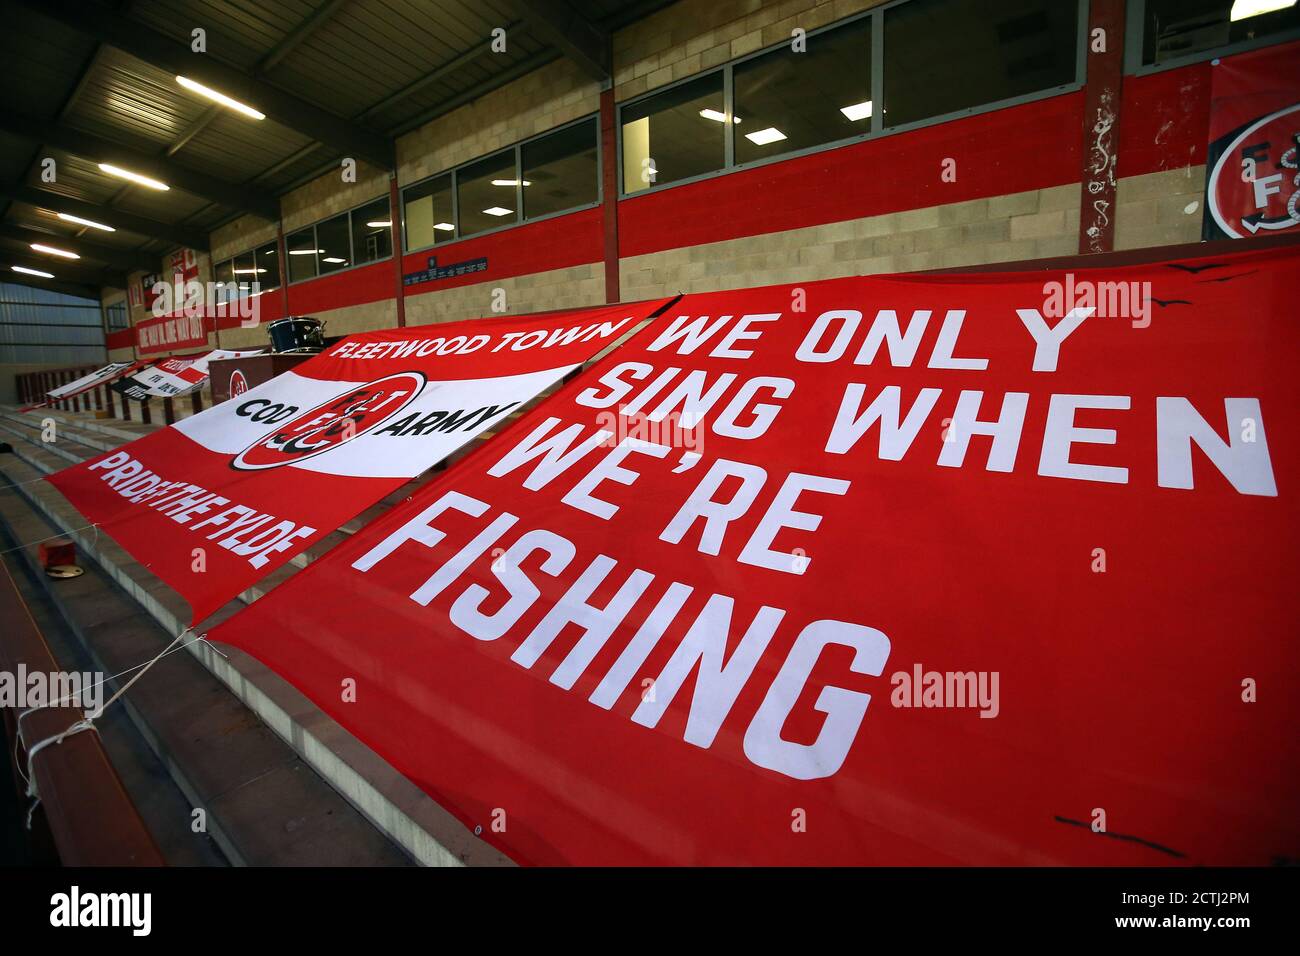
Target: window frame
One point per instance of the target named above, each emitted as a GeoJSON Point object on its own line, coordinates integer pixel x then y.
{"type": "Point", "coordinates": [877, 131]}
{"type": "Point", "coordinates": [517, 149]}
{"type": "Point", "coordinates": [1135, 39]}
{"type": "Point", "coordinates": [352, 257]}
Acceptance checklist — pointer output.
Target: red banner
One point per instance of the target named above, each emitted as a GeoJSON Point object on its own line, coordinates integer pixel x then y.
{"type": "Point", "coordinates": [1252, 183]}
{"type": "Point", "coordinates": [896, 570]}
{"type": "Point", "coordinates": [223, 498]}
{"type": "Point", "coordinates": [166, 333]}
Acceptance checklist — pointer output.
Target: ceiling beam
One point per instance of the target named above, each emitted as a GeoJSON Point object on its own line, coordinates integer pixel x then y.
{"type": "Point", "coordinates": [144, 42]}
{"type": "Point", "coordinates": [115, 256]}
{"type": "Point", "coordinates": [582, 41]}
{"type": "Point", "coordinates": [129, 222]}
{"type": "Point", "coordinates": [96, 148]}
{"type": "Point", "coordinates": [318, 18]}
{"type": "Point", "coordinates": [15, 253]}
{"type": "Point", "coordinates": [282, 49]}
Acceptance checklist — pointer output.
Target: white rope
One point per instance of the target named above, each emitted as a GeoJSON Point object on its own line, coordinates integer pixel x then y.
{"type": "Point", "coordinates": [28, 544]}
{"type": "Point", "coordinates": [88, 719]}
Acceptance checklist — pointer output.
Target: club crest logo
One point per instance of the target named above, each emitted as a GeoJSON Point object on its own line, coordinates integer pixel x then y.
{"type": "Point", "coordinates": [329, 425]}
{"type": "Point", "coordinates": [238, 384]}
{"type": "Point", "coordinates": [1254, 189]}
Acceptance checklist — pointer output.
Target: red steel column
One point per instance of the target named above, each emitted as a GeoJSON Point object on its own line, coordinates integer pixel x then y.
{"type": "Point", "coordinates": [395, 237]}
{"type": "Point", "coordinates": [1105, 80]}
{"type": "Point", "coordinates": [609, 194]}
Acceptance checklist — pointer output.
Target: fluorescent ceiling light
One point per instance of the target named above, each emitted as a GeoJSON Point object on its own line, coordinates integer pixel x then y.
{"type": "Point", "coordinates": [498, 211]}
{"type": "Point", "coordinates": [33, 272]}
{"type": "Point", "coordinates": [764, 136]}
{"type": "Point", "coordinates": [444, 226]}
{"type": "Point", "coordinates": [134, 177]}
{"type": "Point", "coordinates": [333, 260]}
{"type": "Point", "coordinates": [509, 182]}
{"type": "Point", "coordinates": [221, 98]}
{"type": "Point", "coordinates": [245, 272]}
{"type": "Point", "coordinates": [717, 116]}
{"type": "Point", "coordinates": [1245, 9]}
{"type": "Point", "coordinates": [304, 252]}
{"type": "Point", "coordinates": [84, 222]}
{"type": "Point", "coordinates": [50, 250]}
{"type": "Point", "coordinates": [378, 224]}
{"type": "Point", "coordinates": [858, 111]}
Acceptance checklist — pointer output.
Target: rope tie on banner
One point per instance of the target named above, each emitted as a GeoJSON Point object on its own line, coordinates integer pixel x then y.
{"type": "Point", "coordinates": [87, 721]}
{"type": "Point", "coordinates": [52, 537]}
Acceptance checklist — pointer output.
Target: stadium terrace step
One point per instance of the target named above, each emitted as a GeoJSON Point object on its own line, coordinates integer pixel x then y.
{"type": "Point", "coordinates": [429, 834]}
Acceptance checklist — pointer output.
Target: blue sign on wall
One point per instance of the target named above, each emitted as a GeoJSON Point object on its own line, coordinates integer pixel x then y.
{"type": "Point", "coordinates": [435, 271]}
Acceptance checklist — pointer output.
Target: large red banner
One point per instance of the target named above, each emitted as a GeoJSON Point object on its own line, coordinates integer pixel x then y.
{"type": "Point", "coordinates": [223, 498]}
{"type": "Point", "coordinates": [897, 570]}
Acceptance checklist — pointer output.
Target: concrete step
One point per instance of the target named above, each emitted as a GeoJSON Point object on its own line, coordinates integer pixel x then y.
{"type": "Point", "coordinates": [393, 804]}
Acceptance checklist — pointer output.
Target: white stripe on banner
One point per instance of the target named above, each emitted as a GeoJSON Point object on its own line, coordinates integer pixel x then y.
{"type": "Point", "coordinates": [399, 441]}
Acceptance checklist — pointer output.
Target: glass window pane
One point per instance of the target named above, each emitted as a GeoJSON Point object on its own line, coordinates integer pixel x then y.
{"type": "Point", "coordinates": [485, 192]}
{"type": "Point", "coordinates": [1176, 28]}
{"type": "Point", "coordinates": [224, 272]}
{"type": "Point", "coordinates": [560, 170]}
{"type": "Point", "coordinates": [786, 101]}
{"type": "Point", "coordinates": [674, 135]}
{"type": "Point", "coordinates": [268, 264]}
{"type": "Point", "coordinates": [333, 247]}
{"type": "Point", "coordinates": [245, 271]}
{"type": "Point", "coordinates": [372, 231]}
{"type": "Point", "coordinates": [301, 247]}
{"type": "Point", "coordinates": [428, 215]}
{"type": "Point", "coordinates": [942, 56]}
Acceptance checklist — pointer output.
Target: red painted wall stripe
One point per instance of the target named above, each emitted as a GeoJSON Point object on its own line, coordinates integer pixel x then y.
{"type": "Point", "coordinates": [1032, 146]}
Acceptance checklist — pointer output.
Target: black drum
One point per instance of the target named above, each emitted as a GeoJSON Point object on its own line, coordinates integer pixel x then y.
{"type": "Point", "coordinates": [296, 333]}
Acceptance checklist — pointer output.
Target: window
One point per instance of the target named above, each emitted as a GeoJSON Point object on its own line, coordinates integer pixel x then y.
{"type": "Point", "coordinates": [301, 247]}
{"type": "Point", "coordinates": [1178, 29]}
{"type": "Point", "coordinates": [674, 135]}
{"type": "Point", "coordinates": [334, 244]}
{"type": "Point", "coordinates": [786, 101]}
{"type": "Point", "coordinates": [246, 271]}
{"type": "Point", "coordinates": [116, 316]}
{"type": "Point", "coordinates": [943, 56]}
{"type": "Point", "coordinates": [487, 194]}
{"type": "Point", "coordinates": [428, 214]}
{"type": "Point", "coordinates": [560, 170]}
{"type": "Point", "coordinates": [372, 232]}
{"type": "Point", "coordinates": [268, 262]}
{"type": "Point", "coordinates": [224, 273]}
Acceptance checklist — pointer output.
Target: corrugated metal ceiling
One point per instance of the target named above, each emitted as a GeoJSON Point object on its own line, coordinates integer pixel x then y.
{"type": "Point", "coordinates": [349, 58]}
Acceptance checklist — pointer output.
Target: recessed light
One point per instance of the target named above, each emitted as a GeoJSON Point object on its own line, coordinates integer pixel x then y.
{"type": "Point", "coordinates": [444, 226]}
{"type": "Point", "coordinates": [764, 136]}
{"type": "Point", "coordinates": [304, 252]}
{"type": "Point", "coordinates": [509, 182]}
{"type": "Point", "coordinates": [84, 222]}
{"type": "Point", "coordinates": [717, 116]}
{"type": "Point", "coordinates": [133, 177]}
{"type": "Point", "coordinates": [333, 260]}
{"type": "Point", "coordinates": [498, 211]}
{"type": "Point", "coordinates": [50, 250]}
{"type": "Point", "coordinates": [380, 224]}
{"type": "Point", "coordinates": [33, 272]}
{"type": "Point", "coordinates": [1245, 9]}
{"type": "Point", "coordinates": [221, 98]}
{"type": "Point", "coordinates": [858, 111]}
